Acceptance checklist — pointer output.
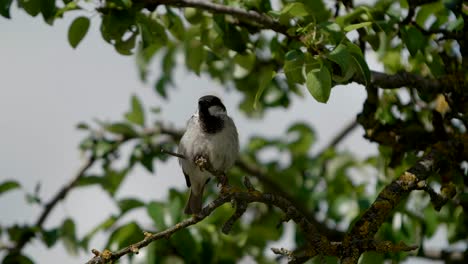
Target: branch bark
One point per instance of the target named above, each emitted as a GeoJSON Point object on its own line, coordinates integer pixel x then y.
{"type": "Point", "coordinates": [260, 19]}
{"type": "Point", "coordinates": [251, 196]}
{"type": "Point", "coordinates": [382, 80]}
{"type": "Point", "coordinates": [414, 178]}
{"type": "Point", "coordinates": [319, 245]}
{"type": "Point", "coordinates": [49, 206]}
{"type": "Point", "coordinates": [63, 192]}
{"type": "Point", "coordinates": [262, 176]}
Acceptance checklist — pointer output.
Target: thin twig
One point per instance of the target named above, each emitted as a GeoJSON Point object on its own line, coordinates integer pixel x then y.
{"type": "Point", "coordinates": [63, 192]}
{"type": "Point", "coordinates": [340, 136]}
{"type": "Point", "coordinates": [60, 195]}
{"type": "Point", "coordinates": [173, 154]}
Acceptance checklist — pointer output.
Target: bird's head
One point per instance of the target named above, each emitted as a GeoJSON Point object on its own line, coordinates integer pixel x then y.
{"type": "Point", "coordinates": [211, 105]}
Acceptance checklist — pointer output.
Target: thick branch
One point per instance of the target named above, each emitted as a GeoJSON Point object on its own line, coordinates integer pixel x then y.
{"type": "Point", "coordinates": [413, 179]}
{"type": "Point", "coordinates": [404, 79]}
{"type": "Point", "coordinates": [263, 20]}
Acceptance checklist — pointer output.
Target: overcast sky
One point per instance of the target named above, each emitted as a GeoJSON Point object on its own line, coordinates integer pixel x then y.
{"type": "Point", "coordinates": [47, 88]}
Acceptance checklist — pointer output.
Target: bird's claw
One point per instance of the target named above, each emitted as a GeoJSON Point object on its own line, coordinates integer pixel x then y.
{"type": "Point", "coordinates": [201, 162]}
{"type": "Point", "coordinates": [223, 182]}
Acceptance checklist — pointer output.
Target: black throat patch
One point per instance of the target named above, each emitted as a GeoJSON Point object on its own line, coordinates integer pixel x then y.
{"type": "Point", "coordinates": [209, 123]}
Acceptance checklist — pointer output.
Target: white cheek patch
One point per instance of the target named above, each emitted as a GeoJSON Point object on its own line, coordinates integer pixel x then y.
{"type": "Point", "coordinates": [216, 110]}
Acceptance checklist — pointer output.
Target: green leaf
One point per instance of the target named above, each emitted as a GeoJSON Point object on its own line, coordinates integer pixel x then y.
{"type": "Point", "coordinates": [32, 7]}
{"type": "Point", "coordinates": [161, 85]}
{"type": "Point", "coordinates": [125, 236]}
{"type": "Point", "coordinates": [105, 225]}
{"type": "Point", "coordinates": [430, 221]}
{"type": "Point", "coordinates": [372, 258]}
{"type": "Point", "coordinates": [246, 61]}
{"type": "Point", "coordinates": [303, 140]}
{"type": "Point", "coordinates": [113, 179]}
{"type": "Point", "coordinates": [293, 66]}
{"type": "Point", "coordinates": [116, 24]}
{"type": "Point", "coordinates": [294, 10]}
{"type": "Point", "coordinates": [193, 15]}
{"type": "Point", "coordinates": [152, 32]}
{"type": "Point", "coordinates": [48, 9]}
{"type": "Point", "coordinates": [68, 235]}
{"type": "Point", "coordinates": [78, 30]}
{"type": "Point", "coordinates": [357, 26]}
{"type": "Point", "coordinates": [319, 84]}
{"type": "Point", "coordinates": [128, 204]}
{"type": "Point", "coordinates": [359, 62]}
{"type": "Point", "coordinates": [264, 78]}
{"type": "Point", "coordinates": [123, 129]}
{"type": "Point", "coordinates": [344, 20]}
{"type": "Point", "coordinates": [174, 24]}
{"type": "Point", "coordinates": [82, 126]}
{"type": "Point", "coordinates": [89, 180]}
{"type": "Point", "coordinates": [125, 46]}
{"type": "Point", "coordinates": [194, 54]}
{"type": "Point", "coordinates": [5, 8]}
{"type": "Point", "coordinates": [123, 3]}
{"type": "Point", "coordinates": [414, 40]}
{"type": "Point", "coordinates": [232, 36]}
{"type": "Point", "coordinates": [137, 114]}
{"type": "Point", "coordinates": [103, 148]}
{"type": "Point", "coordinates": [17, 232]}
{"type": "Point", "coordinates": [8, 186]}
{"type": "Point", "coordinates": [341, 56]}
{"type": "Point", "coordinates": [50, 237]}
{"type": "Point", "coordinates": [16, 258]}
{"type": "Point", "coordinates": [317, 9]}
{"type": "Point", "coordinates": [184, 242]}
{"type": "Point", "coordinates": [156, 211]}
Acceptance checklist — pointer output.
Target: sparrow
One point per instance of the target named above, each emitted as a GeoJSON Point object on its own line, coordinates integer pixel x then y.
{"type": "Point", "coordinates": [211, 137]}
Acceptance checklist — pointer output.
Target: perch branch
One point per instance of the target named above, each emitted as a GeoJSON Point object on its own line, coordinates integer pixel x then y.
{"type": "Point", "coordinates": [318, 244]}
{"type": "Point", "coordinates": [240, 197]}
{"type": "Point", "coordinates": [266, 180]}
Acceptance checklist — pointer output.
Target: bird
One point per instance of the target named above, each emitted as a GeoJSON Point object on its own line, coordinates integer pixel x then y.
{"type": "Point", "coordinates": [211, 137]}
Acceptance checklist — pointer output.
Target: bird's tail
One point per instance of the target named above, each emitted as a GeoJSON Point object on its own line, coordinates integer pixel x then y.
{"type": "Point", "coordinates": [194, 203]}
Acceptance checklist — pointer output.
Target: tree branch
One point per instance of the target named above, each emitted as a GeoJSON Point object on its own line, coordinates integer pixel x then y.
{"type": "Point", "coordinates": [414, 178]}
{"type": "Point", "coordinates": [262, 176]}
{"type": "Point", "coordinates": [263, 20]}
{"type": "Point", "coordinates": [60, 195]}
{"type": "Point", "coordinates": [240, 197]}
{"type": "Point", "coordinates": [63, 192]}
{"type": "Point", "coordinates": [340, 136]}
{"type": "Point", "coordinates": [405, 79]}
{"type": "Point", "coordinates": [319, 245]}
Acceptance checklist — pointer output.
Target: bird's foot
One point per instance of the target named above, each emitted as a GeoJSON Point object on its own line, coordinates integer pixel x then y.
{"type": "Point", "coordinates": [224, 183]}
{"type": "Point", "coordinates": [201, 162]}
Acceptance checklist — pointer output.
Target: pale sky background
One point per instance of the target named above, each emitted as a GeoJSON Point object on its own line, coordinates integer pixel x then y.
{"type": "Point", "coordinates": [47, 88]}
